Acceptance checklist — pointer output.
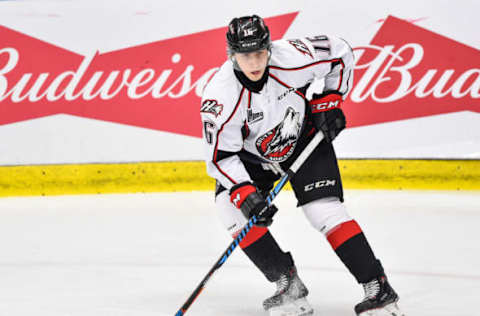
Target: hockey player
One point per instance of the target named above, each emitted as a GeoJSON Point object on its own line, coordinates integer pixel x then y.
{"type": "Point", "coordinates": [256, 120]}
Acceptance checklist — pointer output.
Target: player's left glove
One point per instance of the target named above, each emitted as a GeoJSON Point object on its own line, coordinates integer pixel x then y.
{"type": "Point", "coordinates": [327, 115]}
{"type": "Point", "coordinates": [246, 197]}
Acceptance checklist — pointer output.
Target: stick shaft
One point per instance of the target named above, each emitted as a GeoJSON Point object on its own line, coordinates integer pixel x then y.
{"type": "Point", "coordinates": [295, 166]}
{"type": "Point", "coordinates": [271, 196]}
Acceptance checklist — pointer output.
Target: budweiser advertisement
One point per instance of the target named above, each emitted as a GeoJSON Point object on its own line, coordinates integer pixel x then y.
{"type": "Point", "coordinates": [409, 83]}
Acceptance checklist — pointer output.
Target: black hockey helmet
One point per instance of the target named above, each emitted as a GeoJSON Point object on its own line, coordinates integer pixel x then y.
{"type": "Point", "coordinates": [247, 34]}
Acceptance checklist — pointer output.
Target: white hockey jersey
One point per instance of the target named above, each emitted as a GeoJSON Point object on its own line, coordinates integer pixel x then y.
{"type": "Point", "coordinates": [267, 124]}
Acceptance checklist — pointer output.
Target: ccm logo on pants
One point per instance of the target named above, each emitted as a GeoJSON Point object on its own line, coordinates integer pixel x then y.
{"type": "Point", "coordinates": [319, 184]}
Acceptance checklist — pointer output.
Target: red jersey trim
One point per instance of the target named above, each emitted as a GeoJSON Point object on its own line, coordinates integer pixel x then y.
{"type": "Point", "coordinates": [341, 75]}
{"type": "Point", "coordinates": [214, 160]}
{"type": "Point", "coordinates": [308, 65]}
{"type": "Point", "coordinates": [245, 124]}
{"type": "Point", "coordinates": [314, 64]}
{"type": "Point", "coordinates": [287, 86]}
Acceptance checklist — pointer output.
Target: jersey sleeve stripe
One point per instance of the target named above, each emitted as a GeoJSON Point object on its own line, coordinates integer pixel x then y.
{"type": "Point", "coordinates": [287, 86]}
{"type": "Point", "coordinates": [307, 65]}
{"type": "Point", "coordinates": [348, 78]}
{"type": "Point", "coordinates": [215, 152]}
{"type": "Point", "coordinates": [341, 74]}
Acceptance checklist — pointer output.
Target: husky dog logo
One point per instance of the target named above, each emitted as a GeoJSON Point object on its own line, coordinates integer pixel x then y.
{"type": "Point", "coordinates": [211, 107]}
{"type": "Point", "coordinates": [278, 143]}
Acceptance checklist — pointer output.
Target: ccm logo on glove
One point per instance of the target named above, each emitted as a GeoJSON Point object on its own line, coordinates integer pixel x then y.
{"type": "Point", "coordinates": [325, 103]}
{"type": "Point", "coordinates": [327, 115]}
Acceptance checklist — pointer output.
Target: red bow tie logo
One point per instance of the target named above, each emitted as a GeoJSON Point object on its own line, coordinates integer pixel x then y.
{"type": "Point", "coordinates": [405, 72]}
{"type": "Point", "coordinates": [156, 85]}
{"type": "Point", "coordinates": [408, 71]}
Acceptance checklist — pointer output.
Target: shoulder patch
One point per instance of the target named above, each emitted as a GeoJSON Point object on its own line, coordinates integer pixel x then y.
{"type": "Point", "coordinates": [301, 47]}
{"type": "Point", "coordinates": [211, 106]}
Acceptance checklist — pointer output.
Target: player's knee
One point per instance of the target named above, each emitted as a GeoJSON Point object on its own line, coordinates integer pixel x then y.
{"type": "Point", "coordinates": [233, 220]}
{"type": "Point", "coordinates": [231, 217]}
{"type": "Point", "coordinates": [325, 214]}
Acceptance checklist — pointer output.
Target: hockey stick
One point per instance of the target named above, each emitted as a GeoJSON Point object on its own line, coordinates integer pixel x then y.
{"type": "Point", "coordinates": [278, 187]}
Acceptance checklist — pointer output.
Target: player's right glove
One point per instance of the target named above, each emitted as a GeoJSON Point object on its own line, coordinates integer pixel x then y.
{"type": "Point", "coordinates": [246, 197]}
{"type": "Point", "coordinates": [327, 115]}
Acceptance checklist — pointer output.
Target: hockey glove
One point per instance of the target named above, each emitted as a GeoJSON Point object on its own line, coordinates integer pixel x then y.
{"type": "Point", "coordinates": [246, 197]}
{"type": "Point", "coordinates": [327, 115]}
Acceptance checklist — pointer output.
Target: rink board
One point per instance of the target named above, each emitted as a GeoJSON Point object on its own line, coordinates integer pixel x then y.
{"type": "Point", "coordinates": [191, 176]}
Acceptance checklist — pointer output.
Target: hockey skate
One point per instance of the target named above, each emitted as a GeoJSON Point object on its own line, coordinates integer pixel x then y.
{"type": "Point", "coordinates": [290, 299]}
{"type": "Point", "coordinates": [380, 299]}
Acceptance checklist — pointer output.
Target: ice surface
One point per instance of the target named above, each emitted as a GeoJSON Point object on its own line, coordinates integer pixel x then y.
{"type": "Point", "coordinates": [143, 254]}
